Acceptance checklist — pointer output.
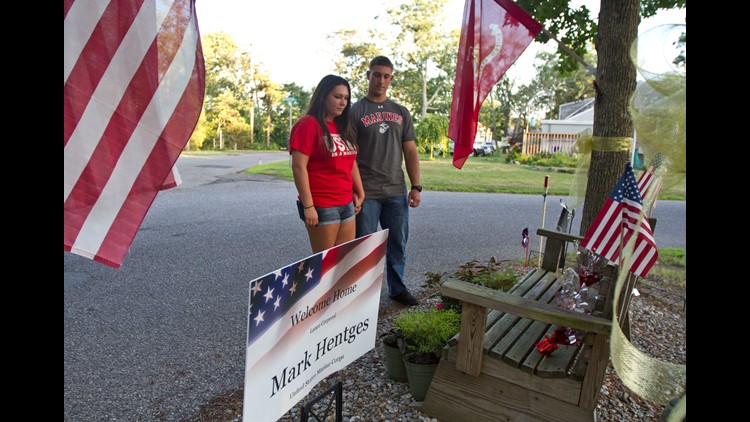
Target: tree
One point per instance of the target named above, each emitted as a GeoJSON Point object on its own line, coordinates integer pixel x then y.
{"type": "Point", "coordinates": [432, 132]}
{"type": "Point", "coordinates": [495, 112]}
{"type": "Point", "coordinates": [272, 95]}
{"type": "Point", "coordinates": [294, 103]}
{"type": "Point", "coordinates": [246, 90]}
{"type": "Point", "coordinates": [229, 90]}
{"type": "Point", "coordinates": [227, 120]}
{"type": "Point", "coordinates": [615, 76]}
{"type": "Point", "coordinates": [555, 88]}
{"type": "Point", "coordinates": [425, 55]}
{"type": "Point", "coordinates": [199, 134]}
{"type": "Point", "coordinates": [356, 54]}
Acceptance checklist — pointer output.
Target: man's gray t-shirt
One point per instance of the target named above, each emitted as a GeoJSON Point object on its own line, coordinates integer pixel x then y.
{"type": "Point", "coordinates": [380, 130]}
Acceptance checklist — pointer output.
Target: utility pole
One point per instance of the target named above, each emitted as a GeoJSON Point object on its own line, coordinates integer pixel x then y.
{"type": "Point", "coordinates": [290, 99]}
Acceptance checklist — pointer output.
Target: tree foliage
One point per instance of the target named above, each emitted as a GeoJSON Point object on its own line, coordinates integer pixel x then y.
{"type": "Point", "coordinates": [613, 36]}
{"type": "Point", "coordinates": [356, 52]}
{"type": "Point", "coordinates": [432, 133]}
{"type": "Point", "coordinates": [424, 54]}
{"type": "Point", "coordinates": [242, 101]}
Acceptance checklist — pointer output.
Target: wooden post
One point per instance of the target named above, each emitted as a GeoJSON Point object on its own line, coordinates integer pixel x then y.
{"type": "Point", "coordinates": [471, 339]}
{"type": "Point", "coordinates": [544, 212]}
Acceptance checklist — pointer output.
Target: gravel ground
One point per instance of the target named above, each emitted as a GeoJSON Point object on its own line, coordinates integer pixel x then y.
{"type": "Point", "coordinates": [370, 395]}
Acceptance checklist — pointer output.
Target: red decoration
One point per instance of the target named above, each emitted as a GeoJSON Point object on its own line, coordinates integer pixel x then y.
{"type": "Point", "coordinates": [587, 277]}
{"type": "Point", "coordinates": [546, 346]}
{"type": "Point", "coordinates": [549, 344]}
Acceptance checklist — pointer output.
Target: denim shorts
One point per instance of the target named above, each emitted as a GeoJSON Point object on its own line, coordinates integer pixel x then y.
{"type": "Point", "coordinates": [330, 215]}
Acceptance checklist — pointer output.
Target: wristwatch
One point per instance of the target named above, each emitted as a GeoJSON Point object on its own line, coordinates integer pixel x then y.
{"type": "Point", "coordinates": [417, 187]}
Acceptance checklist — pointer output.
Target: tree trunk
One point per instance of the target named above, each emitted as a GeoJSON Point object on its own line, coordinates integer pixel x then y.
{"type": "Point", "coordinates": [252, 120]}
{"type": "Point", "coordinates": [424, 93]}
{"type": "Point", "coordinates": [615, 84]}
{"type": "Point", "coordinates": [268, 121]}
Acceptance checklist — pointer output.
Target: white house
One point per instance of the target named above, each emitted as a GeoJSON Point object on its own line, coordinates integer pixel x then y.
{"type": "Point", "coordinates": [575, 118]}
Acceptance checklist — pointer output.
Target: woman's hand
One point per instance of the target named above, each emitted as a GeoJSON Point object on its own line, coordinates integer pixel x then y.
{"type": "Point", "coordinates": [357, 201]}
{"type": "Point", "coordinates": [311, 217]}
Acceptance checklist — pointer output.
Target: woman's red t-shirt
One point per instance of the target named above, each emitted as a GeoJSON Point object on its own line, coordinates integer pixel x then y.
{"type": "Point", "coordinates": [330, 176]}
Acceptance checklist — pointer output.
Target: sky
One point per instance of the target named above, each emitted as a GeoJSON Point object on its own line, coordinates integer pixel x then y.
{"type": "Point", "coordinates": [288, 37]}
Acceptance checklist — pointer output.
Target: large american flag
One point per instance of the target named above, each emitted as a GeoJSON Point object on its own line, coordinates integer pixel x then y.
{"type": "Point", "coordinates": [494, 33]}
{"type": "Point", "coordinates": [133, 91]}
{"type": "Point", "coordinates": [620, 218]}
{"type": "Point", "coordinates": [331, 298]}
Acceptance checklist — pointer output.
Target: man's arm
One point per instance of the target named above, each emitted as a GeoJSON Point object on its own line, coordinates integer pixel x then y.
{"type": "Point", "coordinates": [411, 158]}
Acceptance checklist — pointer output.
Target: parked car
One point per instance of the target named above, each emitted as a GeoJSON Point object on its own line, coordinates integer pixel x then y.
{"type": "Point", "coordinates": [483, 148]}
{"type": "Point", "coordinates": [479, 149]}
{"type": "Point", "coordinates": [438, 149]}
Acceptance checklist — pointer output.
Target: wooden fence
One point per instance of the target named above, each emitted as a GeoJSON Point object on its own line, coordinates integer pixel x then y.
{"type": "Point", "coordinates": [536, 143]}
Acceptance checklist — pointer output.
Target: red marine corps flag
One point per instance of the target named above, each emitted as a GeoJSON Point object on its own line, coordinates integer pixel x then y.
{"type": "Point", "coordinates": [133, 91]}
{"type": "Point", "coordinates": [494, 33]}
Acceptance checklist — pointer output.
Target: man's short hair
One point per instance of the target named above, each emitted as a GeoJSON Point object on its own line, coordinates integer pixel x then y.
{"type": "Point", "coordinates": [381, 61]}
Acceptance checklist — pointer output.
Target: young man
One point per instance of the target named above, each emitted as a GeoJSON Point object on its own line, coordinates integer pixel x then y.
{"type": "Point", "coordinates": [385, 134]}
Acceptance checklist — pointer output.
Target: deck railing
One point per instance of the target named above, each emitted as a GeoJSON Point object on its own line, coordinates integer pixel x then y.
{"type": "Point", "coordinates": [537, 142]}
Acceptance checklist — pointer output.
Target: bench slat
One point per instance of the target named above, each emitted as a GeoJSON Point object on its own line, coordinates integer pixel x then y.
{"type": "Point", "coordinates": [555, 365]}
{"type": "Point", "coordinates": [525, 284]}
{"type": "Point", "coordinates": [523, 307]}
{"type": "Point", "coordinates": [544, 292]}
{"type": "Point", "coordinates": [525, 344]}
{"type": "Point", "coordinates": [499, 333]}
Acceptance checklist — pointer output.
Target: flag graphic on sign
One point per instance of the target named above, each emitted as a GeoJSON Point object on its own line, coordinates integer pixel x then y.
{"type": "Point", "coordinates": [620, 218]}
{"type": "Point", "coordinates": [134, 83]}
{"type": "Point", "coordinates": [308, 320]}
{"type": "Point", "coordinates": [494, 33]}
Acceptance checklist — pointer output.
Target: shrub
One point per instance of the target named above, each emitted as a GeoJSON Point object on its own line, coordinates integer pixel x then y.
{"type": "Point", "coordinates": [489, 275]}
{"type": "Point", "coordinates": [426, 332]}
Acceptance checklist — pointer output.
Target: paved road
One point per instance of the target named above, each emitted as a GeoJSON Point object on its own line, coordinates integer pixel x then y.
{"type": "Point", "coordinates": [165, 333]}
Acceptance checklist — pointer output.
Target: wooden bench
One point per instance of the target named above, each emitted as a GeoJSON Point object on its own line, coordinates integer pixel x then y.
{"type": "Point", "coordinates": [492, 371]}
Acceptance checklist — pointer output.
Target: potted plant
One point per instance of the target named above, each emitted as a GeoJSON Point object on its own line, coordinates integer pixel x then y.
{"type": "Point", "coordinates": [425, 333]}
{"type": "Point", "coordinates": [393, 350]}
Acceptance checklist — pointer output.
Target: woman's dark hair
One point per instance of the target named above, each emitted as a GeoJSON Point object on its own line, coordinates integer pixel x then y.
{"type": "Point", "coordinates": [317, 109]}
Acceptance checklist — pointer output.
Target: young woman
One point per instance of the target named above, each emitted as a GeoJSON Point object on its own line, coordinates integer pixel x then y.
{"type": "Point", "coordinates": [324, 166]}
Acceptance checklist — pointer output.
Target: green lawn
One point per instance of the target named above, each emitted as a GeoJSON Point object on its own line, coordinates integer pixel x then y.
{"type": "Point", "coordinates": [485, 174]}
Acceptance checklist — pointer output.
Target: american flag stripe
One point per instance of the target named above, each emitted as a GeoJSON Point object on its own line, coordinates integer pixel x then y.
{"type": "Point", "coordinates": [133, 95]}
{"type": "Point", "coordinates": [645, 181]}
{"type": "Point", "coordinates": [103, 69]}
{"type": "Point", "coordinates": [81, 18]}
{"type": "Point", "coordinates": [606, 230]}
{"type": "Point", "coordinates": [649, 184]}
{"type": "Point", "coordinates": [643, 257]}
